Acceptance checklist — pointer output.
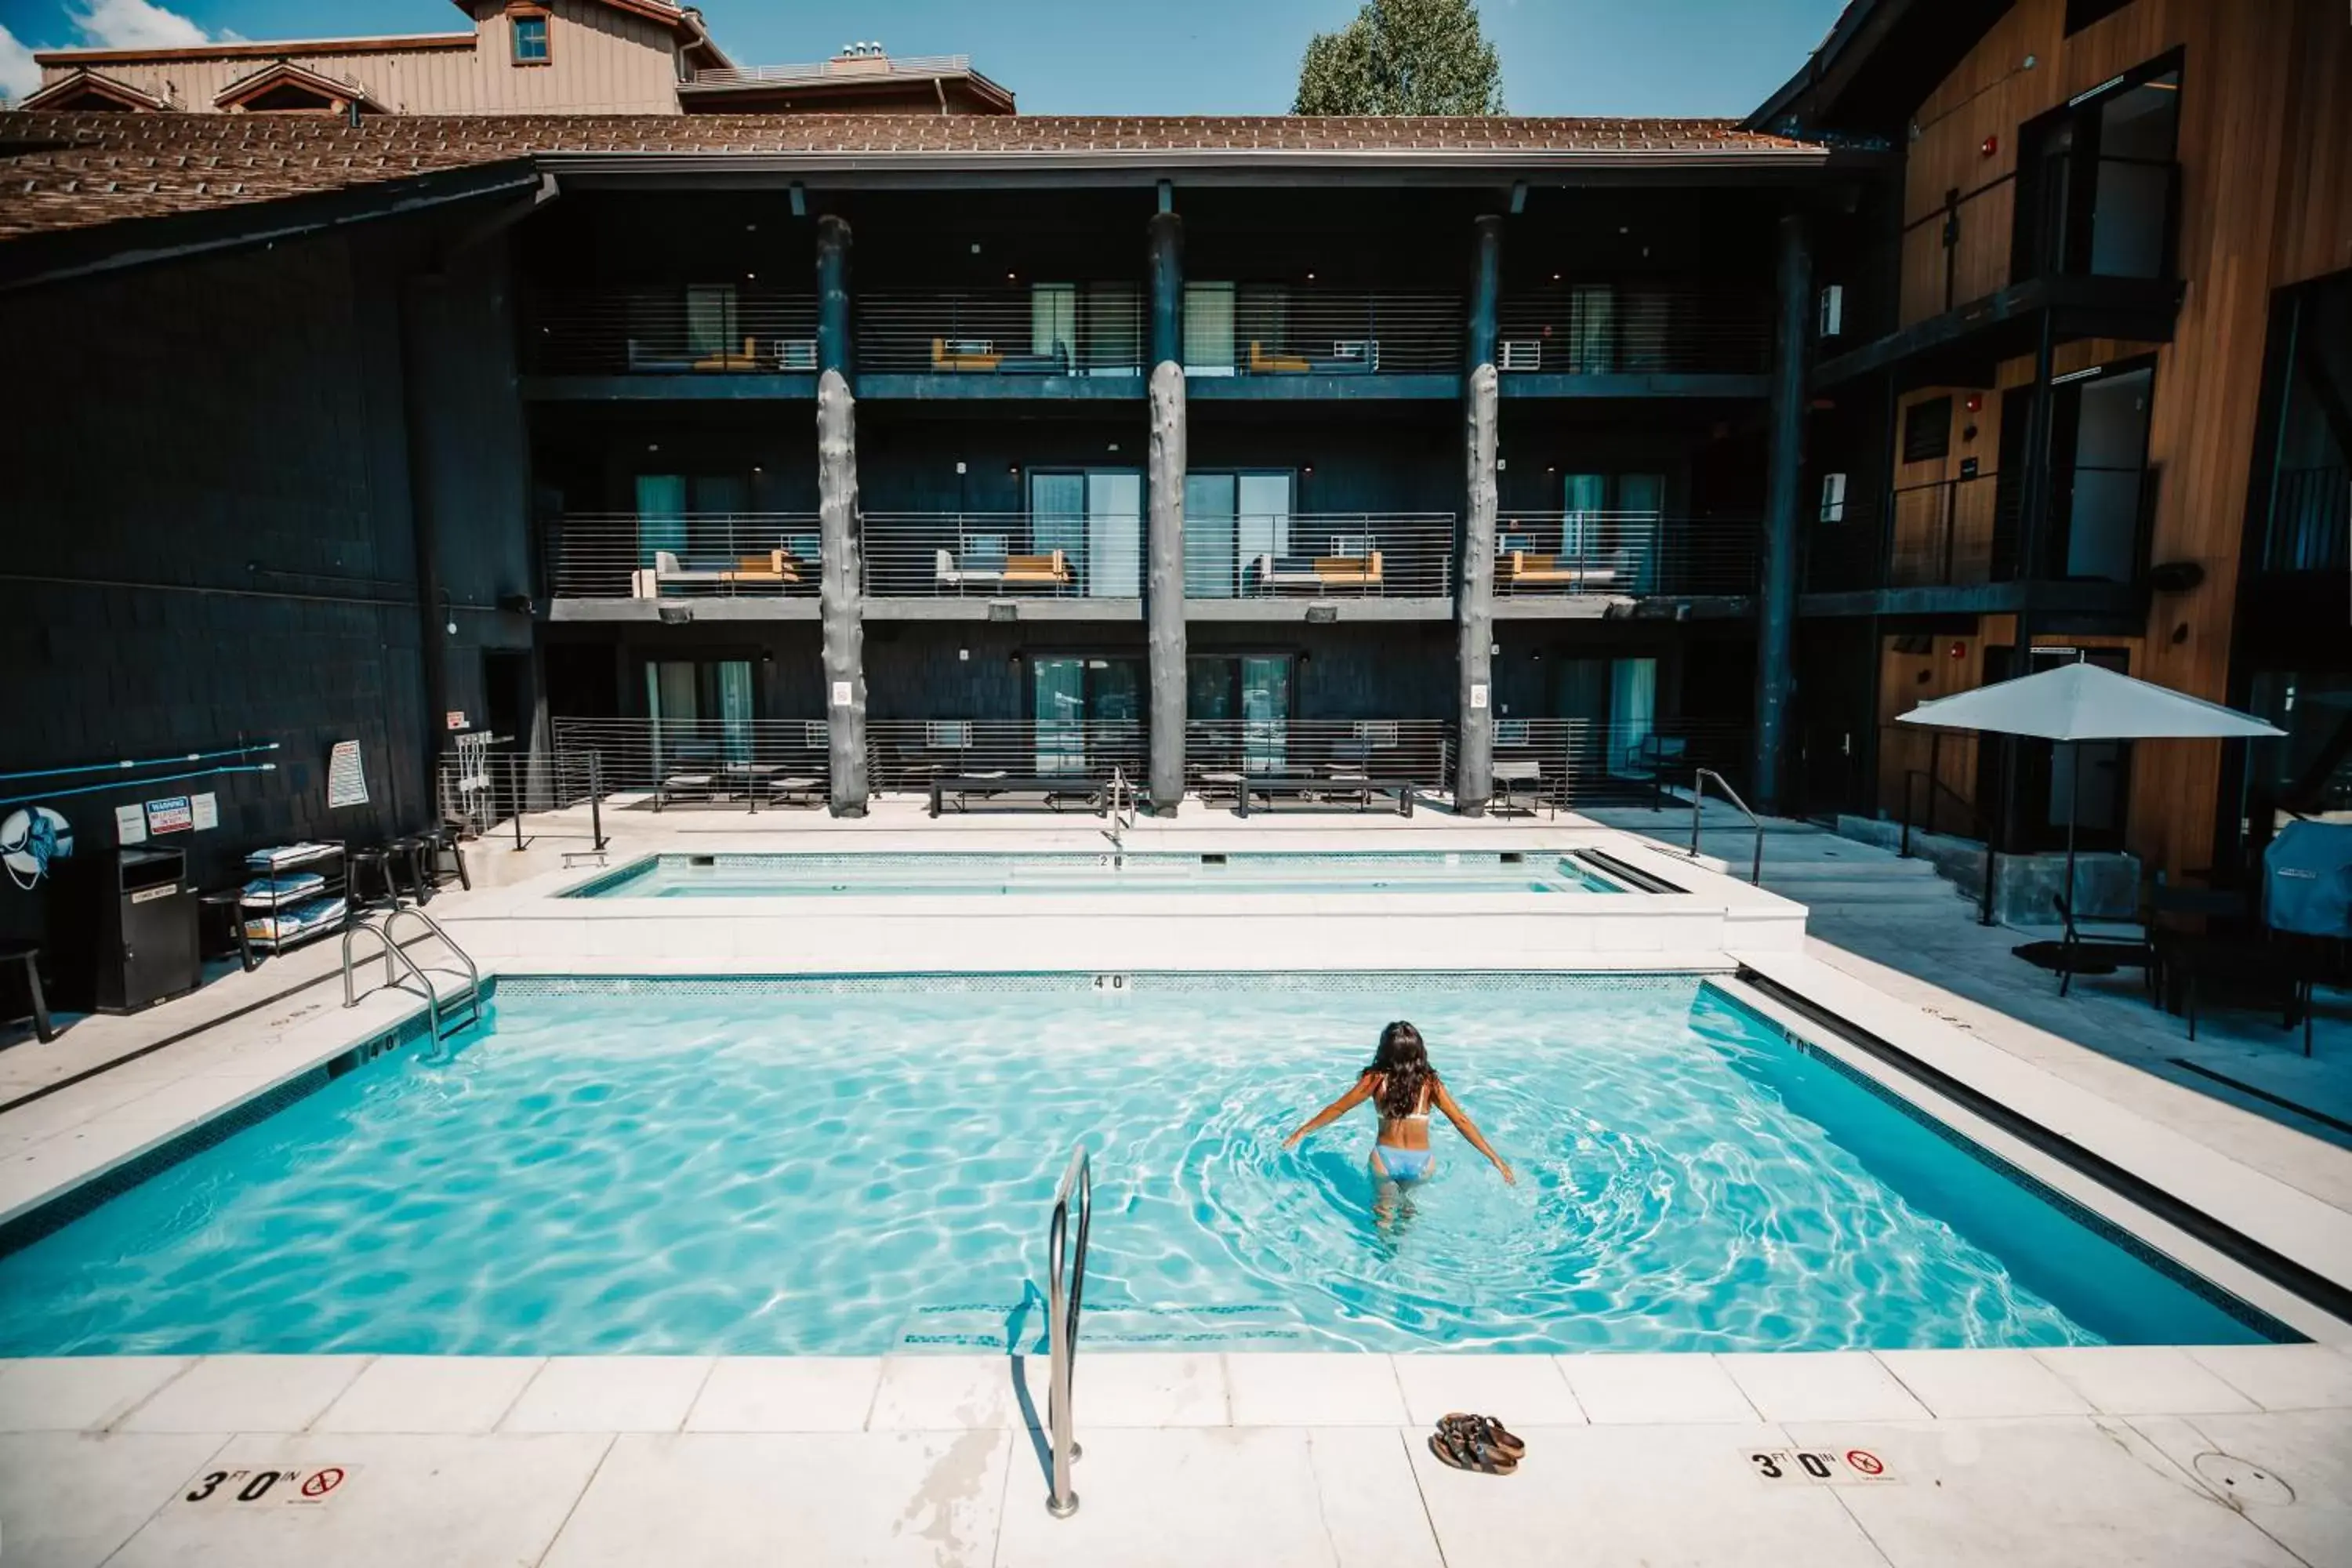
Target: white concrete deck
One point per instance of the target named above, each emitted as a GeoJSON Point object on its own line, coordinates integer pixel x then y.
{"type": "Point", "coordinates": [2067, 1457]}
{"type": "Point", "coordinates": [2155, 1454]}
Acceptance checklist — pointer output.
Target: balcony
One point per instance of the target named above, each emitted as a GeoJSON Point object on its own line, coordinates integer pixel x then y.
{"type": "Point", "coordinates": [746, 561]}
{"type": "Point", "coordinates": [1543, 556]}
{"type": "Point", "coordinates": [1049, 562]}
{"type": "Point", "coordinates": [1050, 339]}
{"type": "Point", "coordinates": [1272, 567]}
{"type": "Point", "coordinates": [905, 754]}
{"type": "Point", "coordinates": [1217, 751]}
{"type": "Point", "coordinates": [743, 761]}
{"type": "Point", "coordinates": [1621, 340]}
{"type": "Point", "coordinates": [716, 330]}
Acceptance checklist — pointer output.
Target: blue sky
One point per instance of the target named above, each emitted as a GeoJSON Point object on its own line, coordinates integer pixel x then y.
{"type": "Point", "coordinates": [1076, 56]}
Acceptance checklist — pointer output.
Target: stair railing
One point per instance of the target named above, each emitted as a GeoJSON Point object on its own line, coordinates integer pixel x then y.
{"type": "Point", "coordinates": [1698, 800]}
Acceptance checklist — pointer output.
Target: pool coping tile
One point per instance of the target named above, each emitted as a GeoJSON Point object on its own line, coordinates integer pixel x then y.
{"type": "Point", "coordinates": [430, 1395]}
{"type": "Point", "coordinates": [2145, 1380]}
{"type": "Point", "coordinates": [609, 1393]}
{"type": "Point", "coordinates": [1315, 1388]}
{"type": "Point", "coordinates": [1968, 1384]}
{"type": "Point", "coordinates": [82, 1394]}
{"type": "Point", "coordinates": [2277, 1377]}
{"type": "Point", "coordinates": [1820, 1386]}
{"type": "Point", "coordinates": [244, 1392]}
{"type": "Point", "coordinates": [786, 1394]}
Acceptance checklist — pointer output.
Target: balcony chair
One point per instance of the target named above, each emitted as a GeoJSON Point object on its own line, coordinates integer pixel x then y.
{"type": "Point", "coordinates": [777, 568]}
{"type": "Point", "coordinates": [1320, 573]}
{"type": "Point", "coordinates": [1521, 570]}
{"type": "Point", "coordinates": [992, 571]}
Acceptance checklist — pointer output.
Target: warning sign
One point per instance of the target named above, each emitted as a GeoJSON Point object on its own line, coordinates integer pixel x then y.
{"type": "Point", "coordinates": [1820, 1467]}
{"type": "Point", "coordinates": [294, 1487]}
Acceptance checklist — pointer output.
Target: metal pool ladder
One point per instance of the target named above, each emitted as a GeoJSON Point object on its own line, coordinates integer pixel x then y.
{"type": "Point", "coordinates": [1119, 797]}
{"type": "Point", "coordinates": [1066, 1288]}
{"type": "Point", "coordinates": [468, 997]}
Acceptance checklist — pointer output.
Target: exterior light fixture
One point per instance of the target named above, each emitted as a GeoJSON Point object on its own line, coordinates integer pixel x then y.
{"type": "Point", "coordinates": [1322, 614]}
{"type": "Point", "coordinates": [1005, 610]}
{"type": "Point", "coordinates": [676, 614]}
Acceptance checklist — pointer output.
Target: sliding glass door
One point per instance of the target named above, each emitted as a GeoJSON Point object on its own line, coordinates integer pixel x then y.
{"type": "Point", "coordinates": [1078, 699]}
{"type": "Point", "coordinates": [701, 711]}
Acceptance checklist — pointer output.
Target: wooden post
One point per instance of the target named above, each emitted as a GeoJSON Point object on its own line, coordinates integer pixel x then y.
{"type": "Point", "coordinates": [839, 584]}
{"type": "Point", "coordinates": [1164, 591]}
{"type": "Point", "coordinates": [1473, 601]}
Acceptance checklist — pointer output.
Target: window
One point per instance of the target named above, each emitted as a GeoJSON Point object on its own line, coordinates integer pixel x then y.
{"type": "Point", "coordinates": [2097, 181]}
{"type": "Point", "coordinates": [529, 33]}
{"type": "Point", "coordinates": [1928, 430]}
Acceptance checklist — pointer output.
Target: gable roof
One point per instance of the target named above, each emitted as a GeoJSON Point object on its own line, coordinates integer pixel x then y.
{"type": "Point", "coordinates": [683, 20]}
{"type": "Point", "coordinates": [83, 79]}
{"type": "Point", "coordinates": [286, 73]}
{"type": "Point", "coordinates": [70, 171]}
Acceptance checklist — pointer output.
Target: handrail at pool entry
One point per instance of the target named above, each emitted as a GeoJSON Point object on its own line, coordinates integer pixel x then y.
{"type": "Point", "coordinates": [390, 951]}
{"type": "Point", "coordinates": [472, 994]}
{"type": "Point", "coordinates": [1063, 1299]}
{"type": "Point", "coordinates": [1699, 799]}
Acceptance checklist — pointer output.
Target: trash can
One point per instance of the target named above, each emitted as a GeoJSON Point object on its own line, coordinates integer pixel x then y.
{"type": "Point", "coordinates": [124, 931]}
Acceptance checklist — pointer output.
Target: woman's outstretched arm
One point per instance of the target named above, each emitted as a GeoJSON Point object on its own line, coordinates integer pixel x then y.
{"type": "Point", "coordinates": [1336, 1109]}
{"type": "Point", "coordinates": [1463, 1125]}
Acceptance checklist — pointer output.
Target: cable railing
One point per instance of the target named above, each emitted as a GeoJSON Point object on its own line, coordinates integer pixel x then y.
{"type": "Point", "coordinates": [1219, 753]}
{"type": "Point", "coordinates": [1634, 329]}
{"type": "Point", "coordinates": [688, 328]}
{"type": "Point", "coordinates": [1012, 332]}
{"type": "Point", "coordinates": [485, 791]}
{"type": "Point", "coordinates": [1001, 555]}
{"type": "Point", "coordinates": [906, 754]}
{"type": "Point", "coordinates": [853, 67]}
{"type": "Point", "coordinates": [682, 555]}
{"type": "Point", "coordinates": [748, 763]}
{"type": "Point", "coordinates": [1546, 554]}
{"type": "Point", "coordinates": [1319, 555]}
{"type": "Point", "coordinates": [1267, 330]}
{"type": "Point", "coordinates": [1567, 762]}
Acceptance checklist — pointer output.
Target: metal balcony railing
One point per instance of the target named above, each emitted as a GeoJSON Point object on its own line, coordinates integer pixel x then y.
{"type": "Point", "coordinates": [1631, 329]}
{"type": "Point", "coordinates": [853, 68]}
{"type": "Point", "coordinates": [1218, 751]}
{"type": "Point", "coordinates": [691, 329]}
{"type": "Point", "coordinates": [1319, 555]}
{"type": "Point", "coordinates": [906, 754]}
{"type": "Point", "coordinates": [1264, 329]}
{"type": "Point", "coordinates": [1587, 762]}
{"type": "Point", "coordinates": [1001, 555]}
{"type": "Point", "coordinates": [1633, 554]}
{"type": "Point", "coordinates": [626, 555]}
{"type": "Point", "coordinates": [1046, 329]}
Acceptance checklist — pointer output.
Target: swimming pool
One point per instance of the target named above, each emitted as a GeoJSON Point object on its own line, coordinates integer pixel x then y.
{"type": "Point", "coordinates": [863, 1166]}
{"type": "Point", "coordinates": [1107, 871]}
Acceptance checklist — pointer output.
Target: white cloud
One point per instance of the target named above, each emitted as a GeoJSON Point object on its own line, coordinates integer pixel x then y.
{"type": "Point", "coordinates": [133, 24]}
{"type": "Point", "coordinates": [19, 76]}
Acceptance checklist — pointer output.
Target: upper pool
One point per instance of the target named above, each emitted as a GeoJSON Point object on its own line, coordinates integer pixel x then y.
{"type": "Point", "coordinates": [861, 1166]}
{"type": "Point", "coordinates": [1389, 871]}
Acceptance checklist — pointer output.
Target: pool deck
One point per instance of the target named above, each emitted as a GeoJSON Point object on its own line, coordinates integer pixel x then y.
{"type": "Point", "coordinates": [2155, 1454]}
{"type": "Point", "coordinates": [2238, 1456]}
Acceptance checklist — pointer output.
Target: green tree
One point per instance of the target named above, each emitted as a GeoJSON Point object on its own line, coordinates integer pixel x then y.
{"type": "Point", "coordinates": [1402, 57]}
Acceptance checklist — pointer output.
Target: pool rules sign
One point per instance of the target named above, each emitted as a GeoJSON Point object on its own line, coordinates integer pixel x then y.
{"type": "Point", "coordinates": [243, 1491]}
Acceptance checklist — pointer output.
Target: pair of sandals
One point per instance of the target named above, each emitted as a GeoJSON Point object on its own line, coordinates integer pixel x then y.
{"type": "Point", "coordinates": [1476, 1442]}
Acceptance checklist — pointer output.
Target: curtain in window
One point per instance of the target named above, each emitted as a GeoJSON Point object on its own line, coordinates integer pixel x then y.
{"type": "Point", "coordinates": [661, 515]}
{"type": "Point", "coordinates": [1059, 688]}
{"type": "Point", "coordinates": [669, 703]}
{"type": "Point", "coordinates": [1583, 498]}
{"type": "Point", "coordinates": [734, 683]}
{"type": "Point", "coordinates": [1208, 328]}
{"type": "Point", "coordinates": [1263, 524]}
{"type": "Point", "coordinates": [1266, 711]}
{"type": "Point", "coordinates": [1057, 517]}
{"type": "Point", "coordinates": [1114, 535]}
{"type": "Point", "coordinates": [1211, 570]}
{"type": "Point", "coordinates": [1633, 711]}
{"type": "Point", "coordinates": [1113, 330]}
{"type": "Point", "coordinates": [1053, 321]}
{"type": "Point", "coordinates": [711, 319]}
{"type": "Point", "coordinates": [1640, 514]}
{"type": "Point", "coordinates": [1262, 319]}
{"type": "Point", "coordinates": [1592, 329]}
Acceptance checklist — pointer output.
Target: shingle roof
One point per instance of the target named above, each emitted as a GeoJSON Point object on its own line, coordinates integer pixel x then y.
{"type": "Point", "coordinates": [61, 171]}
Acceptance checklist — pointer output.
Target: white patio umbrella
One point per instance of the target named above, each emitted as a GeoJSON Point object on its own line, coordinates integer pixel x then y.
{"type": "Point", "coordinates": [2084, 701]}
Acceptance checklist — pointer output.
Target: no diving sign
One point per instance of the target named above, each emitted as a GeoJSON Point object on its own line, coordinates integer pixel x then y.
{"type": "Point", "coordinates": [221, 1491]}
{"type": "Point", "coordinates": [1820, 1467]}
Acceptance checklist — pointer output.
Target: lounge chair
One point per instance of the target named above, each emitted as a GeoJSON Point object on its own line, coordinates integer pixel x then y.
{"type": "Point", "coordinates": [1360, 356]}
{"type": "Point", "coordinates": [1320, 573]}
{"type": "Point", "coordinates": [776, 568]}
{"type": "Point", "coordinates": [959, 354]}
{"type": "Point", "coordinates": [1048, 571]}
{"type": "Point", "coordinates": [1518, 785]}
{"type": "Point", "coordinates": [1521, 570]}
{"type": "Point", "coordinates": [2094, 944]}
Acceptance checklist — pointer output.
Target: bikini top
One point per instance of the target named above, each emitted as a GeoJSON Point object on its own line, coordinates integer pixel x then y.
{"type": "Point", "coordinates": [1420, 1115]}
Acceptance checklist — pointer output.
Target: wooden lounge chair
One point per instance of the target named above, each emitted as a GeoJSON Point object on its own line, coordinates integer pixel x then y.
{"type": "Point", "coordinates": [965, 354]}
{"type": "Point", "coordinates": [1275, 573]}
{"type": "Point", "coordinates": [1522, 570]}
{"type": "Point", "coordinates": [725, 360]}
{"type": "Point", "coordinates": [1049, 570]}
{"type": "Point", "coordinates": [779, 568]}
{"type": "Point", "coordinates": [1264, 363]}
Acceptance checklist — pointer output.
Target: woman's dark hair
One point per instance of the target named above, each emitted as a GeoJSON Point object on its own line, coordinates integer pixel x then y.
{"type": "Point", "coordinates": [1402, 1067]}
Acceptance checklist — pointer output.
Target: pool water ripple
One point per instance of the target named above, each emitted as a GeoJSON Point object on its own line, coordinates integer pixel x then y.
{"type": "Point", "coordinates": [804, 1170]}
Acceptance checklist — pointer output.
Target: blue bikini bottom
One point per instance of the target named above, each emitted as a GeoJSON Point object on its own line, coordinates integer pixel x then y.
{"type": "Point", "coordinates": [1402, 1164]}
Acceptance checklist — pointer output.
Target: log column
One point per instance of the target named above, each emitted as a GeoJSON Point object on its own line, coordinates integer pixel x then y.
{"type": "Point", "coordinates": [1163, 601]}
{"type": "Point", "coordinates": [840, 587]}
{"type": "Point", "coordinates": [1473, 594]}
{"type": "Point", "coordinates": [1775, 598]}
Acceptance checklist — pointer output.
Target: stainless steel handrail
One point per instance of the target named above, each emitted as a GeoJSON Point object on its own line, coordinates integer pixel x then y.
{"type": "Point", "coordinates": [473, 974]}
{"type": "Point", "coordinates": [1063, 1299]}
{"type": "Point", "coordinates": [391, 951]}
{"type": "Point", "coordinates": [1699, 799]}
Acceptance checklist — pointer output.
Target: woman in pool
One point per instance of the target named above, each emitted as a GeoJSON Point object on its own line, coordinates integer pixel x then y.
{"type": "Point", "coordinates": [1403, 1087]}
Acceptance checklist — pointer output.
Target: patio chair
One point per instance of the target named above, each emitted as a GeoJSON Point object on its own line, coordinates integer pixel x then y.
{"type": "Point", "coordinates": [1320, 573]}
{"type": "Point", "coordinates": [2236, 957]}
{"type": "Point", "coordinates": [2098, 944]}
{"type": "Point", "coordinates": [1051, 569]}
{"type": "Point", "coordinates": [1518, 785]}
{"type": "Point", "coordinates": [1521, 569]}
